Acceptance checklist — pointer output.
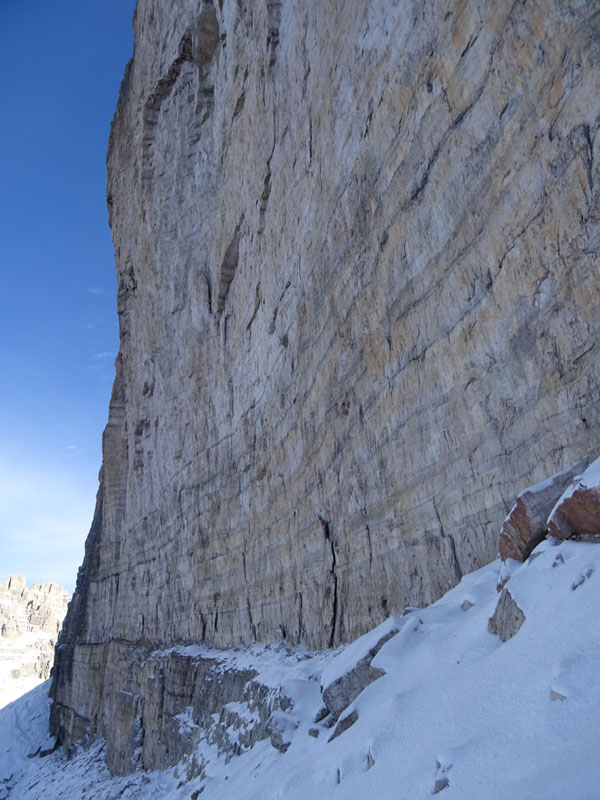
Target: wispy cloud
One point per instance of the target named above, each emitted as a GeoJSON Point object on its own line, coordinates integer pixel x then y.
{"type": "Point", "coordinates": [106, 354]}
{"type": "Point", "coordinates": [96, 290]}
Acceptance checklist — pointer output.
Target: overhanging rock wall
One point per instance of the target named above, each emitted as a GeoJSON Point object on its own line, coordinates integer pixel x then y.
{"type": "Point", "coordinates": [357, 250]}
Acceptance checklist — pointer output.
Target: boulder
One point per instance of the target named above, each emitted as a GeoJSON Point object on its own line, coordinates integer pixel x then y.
{"type": "Point", "coordinates": [577, 512]}
{"type": "Point", "coordinates": [507, 619]}
{"type": "Point", "coordinates": [339, 693]}
{"type": "Point", "coordinates": [525, 526]}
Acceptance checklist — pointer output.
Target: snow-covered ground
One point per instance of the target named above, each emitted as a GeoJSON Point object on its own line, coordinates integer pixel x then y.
{"type": "Point", "coordinates": [458, 713]}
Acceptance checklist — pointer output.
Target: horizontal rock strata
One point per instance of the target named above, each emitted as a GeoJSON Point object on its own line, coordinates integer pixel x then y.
{"type": "Point", "coordinates": [357, 252]}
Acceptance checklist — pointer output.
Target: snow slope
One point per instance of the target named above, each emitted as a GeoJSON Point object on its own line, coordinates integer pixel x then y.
{"type": "Point", "coordinates": [20, 655]}
{"type": "Point", "coordinates": [458, 713]}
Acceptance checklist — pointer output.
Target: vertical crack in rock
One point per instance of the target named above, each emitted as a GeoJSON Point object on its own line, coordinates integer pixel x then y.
{"type": "Point", "coordinates": [250, 619]}
{"type": "Point", "coordinates": [264, 198]}
{"type": "Point", "coordinates": [228, 267]}
{"type": "Point", "coordinates": [457, 570]}
{"type": "Point", "coordinates": [266, 192]}
{"type": "Point", "coordinates": [587, 151]}
{"type": "Point", "coordinates": [273, 21]}
{"type": "Point", "coordinates": [368, 529]}
{"type": "Point", "coordinates": [333, 573]}
{"type": "Point", "coordinates": [208, 291]}
{"type": "Point", "coordinates": [257, 302]}
{"type": "Point", "coordinates": [300, 620]}
{"type": "Point", "coordinates": [239, 106]}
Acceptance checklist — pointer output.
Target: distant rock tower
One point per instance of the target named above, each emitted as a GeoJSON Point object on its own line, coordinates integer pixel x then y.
{"type": "Point", "coordinates": [30, 620]}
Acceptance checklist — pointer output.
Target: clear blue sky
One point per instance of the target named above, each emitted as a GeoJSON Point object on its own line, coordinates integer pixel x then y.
{"type": "Point", "coordinates": [62, 63]}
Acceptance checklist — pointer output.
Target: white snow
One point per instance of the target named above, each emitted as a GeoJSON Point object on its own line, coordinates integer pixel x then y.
{"type": "Point", "coordinates": [591, 477]}
{"type": "Point", "coordinates": [457, 711]}
{"type": "Point", "coordinates": [242, 710]}
{"type": "Point", "coordinates": [13, 688]}
{"type": "Point", "coordinates": [186, 720]}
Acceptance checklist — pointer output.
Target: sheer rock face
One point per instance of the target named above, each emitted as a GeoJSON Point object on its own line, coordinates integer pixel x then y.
{"type": "Point", "coordinates": [357, 251]}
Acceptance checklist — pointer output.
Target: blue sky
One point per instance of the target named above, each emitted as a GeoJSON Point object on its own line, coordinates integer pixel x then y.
{"type": "Point", "coordinates": [62, 63]}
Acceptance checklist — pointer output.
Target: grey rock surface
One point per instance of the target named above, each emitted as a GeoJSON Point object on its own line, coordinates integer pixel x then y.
{"type": "Point", "coordinates": [338, 695]}
{"type": "Point", "coordinates": [155, 707]}
{"type": "Point", "coordinates": [344, 723]}
{"type": "Point", "coordinates": [39, 608]}
{"type": "Point", "coordinates": [507, 618]}
{"type": "Point", "coordinates": [357, 254]}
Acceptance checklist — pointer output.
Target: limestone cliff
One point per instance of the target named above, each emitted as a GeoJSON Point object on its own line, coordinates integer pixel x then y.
{"type": "Point", "coordinates": [30, 619]}
{"type": "Point", "coordinates": [357, 252]}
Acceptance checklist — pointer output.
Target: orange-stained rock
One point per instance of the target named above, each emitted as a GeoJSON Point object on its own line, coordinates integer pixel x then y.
{"type": "Point", "coordinates": [577, 515]}
{"type": "Point", "coordinates": [577, 512]}
{"type": "Point", "coordinates": [525, 526]}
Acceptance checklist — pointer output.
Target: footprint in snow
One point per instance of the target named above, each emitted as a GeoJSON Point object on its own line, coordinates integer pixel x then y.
{"type": "Point", "coordinates": [582, 578]}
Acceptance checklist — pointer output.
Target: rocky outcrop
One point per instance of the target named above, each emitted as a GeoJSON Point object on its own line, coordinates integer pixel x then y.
{"type": "Point", "coordinates": [357, 252]}
{"type": "Point", "coordinates": [576, 515]}
{"type": "Point", "coordinates": [527, 523]}
{"type": "Point", "coordinates": [162, 705]}
{"type": "Point", "coordinates": [507, 619]}
{"type": "Point", "coordinates": [39, 609]}
{"type": "Point", "coordinates": [339, 691]}
{"type": "Point", "coordinates": [30, 619]}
